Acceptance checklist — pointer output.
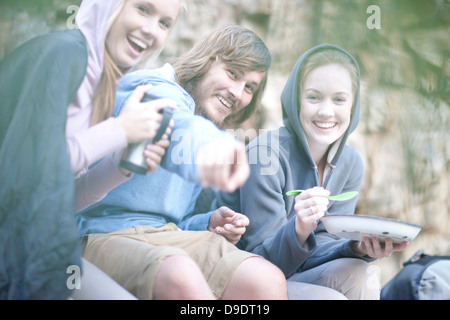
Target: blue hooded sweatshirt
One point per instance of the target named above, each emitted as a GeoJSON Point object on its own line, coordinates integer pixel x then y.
{"type": "Point", "coordinates": [280, 161]}
{"type": "Point", "coordinates": [168, 194]}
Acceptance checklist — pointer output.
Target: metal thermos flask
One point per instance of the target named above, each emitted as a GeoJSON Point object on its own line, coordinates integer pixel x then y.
{"type": "Point", "coordinates": [133, 158]}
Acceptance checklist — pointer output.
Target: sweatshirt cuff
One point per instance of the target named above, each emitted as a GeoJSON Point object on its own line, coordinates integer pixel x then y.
{"type": "Point", "coordinates": [310, 243]}
{"type": "Point", "coordinates": [347, 251]}
{"type": "Point", "coordinates": [197, 222]}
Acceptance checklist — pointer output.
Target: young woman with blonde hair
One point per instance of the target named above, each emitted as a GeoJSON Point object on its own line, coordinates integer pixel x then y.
{"type": "Point", "coordinates": [57, 94]}
{"type": "Point", "coordinates": [321, 105]}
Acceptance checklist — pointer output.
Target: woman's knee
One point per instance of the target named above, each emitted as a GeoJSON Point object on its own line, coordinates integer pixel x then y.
{"type": "Point", "coordinates": [358, 279]}
{"type": "Point", "coordinates": [357, 269]}
{"type": "Point", "coordinates": [306, 291]}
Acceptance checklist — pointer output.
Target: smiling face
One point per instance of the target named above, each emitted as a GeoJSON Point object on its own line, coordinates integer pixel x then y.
{"type": "Point", "coordinates": [224, 91]}
{"type": "Point", "coordinates": [326, 100]}
{"type": "Point", "coordinates": [140, 29]}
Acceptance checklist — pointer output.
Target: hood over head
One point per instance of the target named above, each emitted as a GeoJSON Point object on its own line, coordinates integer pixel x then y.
{"type": "Point", "coordinates": [94, 19]}
{"type": "Point", "coordinates": [291, 105]}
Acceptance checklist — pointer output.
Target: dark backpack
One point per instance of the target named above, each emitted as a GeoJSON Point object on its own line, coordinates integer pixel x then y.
{"type": "Point", "coordinates": [423, 277]}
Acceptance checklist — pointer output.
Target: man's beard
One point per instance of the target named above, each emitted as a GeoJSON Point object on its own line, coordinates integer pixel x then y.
{"type": "Point", "coordinates": [191, 88]}
{"type": "Point", "coordinates": [200, 111]}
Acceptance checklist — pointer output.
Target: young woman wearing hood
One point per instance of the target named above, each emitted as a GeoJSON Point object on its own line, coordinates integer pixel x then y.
{"type": "Point", "coordinates": [321, 106]}
{"type": "Point", "coordinates": [57, 93]}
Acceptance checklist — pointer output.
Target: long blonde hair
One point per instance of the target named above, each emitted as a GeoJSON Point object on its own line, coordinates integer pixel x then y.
{"type": "Point", "coordinates": [105, 93]}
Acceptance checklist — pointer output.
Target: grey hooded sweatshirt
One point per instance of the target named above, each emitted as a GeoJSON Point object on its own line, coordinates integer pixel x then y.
{"type": "Point", "coordinates": [280, 161]}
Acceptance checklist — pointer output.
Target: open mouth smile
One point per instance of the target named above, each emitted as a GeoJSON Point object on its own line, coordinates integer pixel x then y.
{"type": "Point", "coordinates": [325, 125]}
{"type": "Point", "coordinates": [137, 44]}
{"type": "Point", "coordinates": [225, 102]}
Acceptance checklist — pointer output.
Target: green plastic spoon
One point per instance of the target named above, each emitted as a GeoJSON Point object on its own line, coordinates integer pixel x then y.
{"type": "Point", "coordinates": [340, 197]}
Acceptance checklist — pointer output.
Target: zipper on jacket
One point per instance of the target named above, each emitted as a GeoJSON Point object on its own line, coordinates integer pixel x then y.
{"type": "Point", "coordinates": [327, 178]}
{"type": "Point", "coordinates": [317, 177]}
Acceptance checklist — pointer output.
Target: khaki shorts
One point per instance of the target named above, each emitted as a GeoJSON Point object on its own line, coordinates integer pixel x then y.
{"type": "Point", "coordinates": [133, 256]}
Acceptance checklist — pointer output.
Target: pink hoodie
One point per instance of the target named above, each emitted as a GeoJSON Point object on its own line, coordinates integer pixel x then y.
{"type": "Point", "coordinates": [87, 145]}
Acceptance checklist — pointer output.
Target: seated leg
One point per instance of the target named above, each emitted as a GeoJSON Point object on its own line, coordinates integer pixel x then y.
{"type": "Point", "coordinates": [256, 279]}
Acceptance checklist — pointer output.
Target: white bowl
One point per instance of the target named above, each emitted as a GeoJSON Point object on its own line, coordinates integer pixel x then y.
{"type": "Point", "coordinates": [356, 227]}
